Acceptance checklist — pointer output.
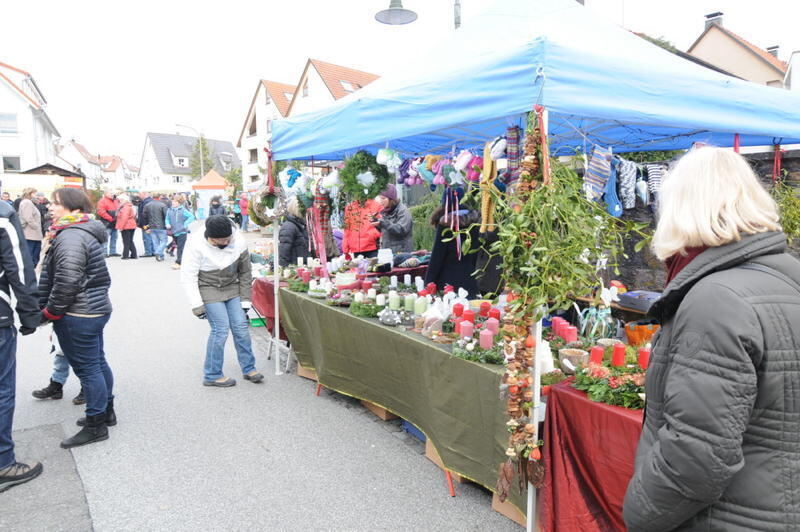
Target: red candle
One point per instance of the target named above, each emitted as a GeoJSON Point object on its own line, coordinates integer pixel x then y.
{"type": "Point", "coordinates": [422, 293]}
{"type": "Point", "coordinates": [644, 358]}
{"type": "Point", "coordinates": [458, 310]}
{"type": "Point", "coordinates": [596, 355]}
{"type": "Point", "coordinates": [431, 288]}
{"type": "Point", "coordinates": [618, 359]}
{"type": "Point", "coordinates": [317, 271]}
{"type": "Point", "coordinates": [300, 272]}
{"type": "Point", "coordinates": [570, 334]}
{"type": "Point", "coordinates": [495, 313]}
{"type": "Point", "coordinates": [457, 327]}
{"type": "Point", "coordinates": [493, 324]}
{"type": "Point", "coordinates": [556, 323]}
{"type": "Point", "coordinates": [485, 308]}
{"type": "Point", "coordinates": [469, 315]}
{"type": "Point", "coordinates": [306, 276]}
{"type": "Point", "coordinates": [467, 329]}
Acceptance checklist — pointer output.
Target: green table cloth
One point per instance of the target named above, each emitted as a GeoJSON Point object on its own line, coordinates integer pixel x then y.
{"type": "Point", "coordinates": [456, 403]}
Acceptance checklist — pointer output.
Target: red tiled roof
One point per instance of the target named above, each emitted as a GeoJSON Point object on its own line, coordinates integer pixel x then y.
{"type": "Point", "coordinates": [86, 155]}
{"type": "Point", "coordinates": [110, 163]}
{"type": "Point", "coordinates": [277, 93]}
{"type": "Point", "coordinates": [333, 75]}
{"type": "Point", "coordinates": [765, 55]}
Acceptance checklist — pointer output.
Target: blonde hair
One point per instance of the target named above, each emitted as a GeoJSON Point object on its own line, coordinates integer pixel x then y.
{"type": "Point", "coordinates": [709, 199]}
{"type": "Point", "coordinates": [28, 192]}
{"type": "Point", "coordinates": [293, 207]}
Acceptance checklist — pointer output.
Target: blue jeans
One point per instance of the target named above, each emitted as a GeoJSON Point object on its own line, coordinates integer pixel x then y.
{"type": "Point", "coordinates": [81, 340]}
{"type": "Point", "coordinates": [225, 316]}
{"type": "Point", "coordinates": [245, 221]}
{"type": "Point", "coordinates": [148, 243]}
{"type": "Point", "coordinates": [8, 384]}
{"type": "Point", "coordinates": [34, 246]}
{"type": "Point", "coordinates": [60, 369]}
{"type": "Point", "coordinates": [159, 237]}
{"type": "Point", "coordinates": [112, 240]}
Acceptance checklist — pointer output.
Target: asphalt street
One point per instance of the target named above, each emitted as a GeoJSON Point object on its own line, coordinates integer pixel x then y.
{"type": "Point", "coordinates": [268, 456]}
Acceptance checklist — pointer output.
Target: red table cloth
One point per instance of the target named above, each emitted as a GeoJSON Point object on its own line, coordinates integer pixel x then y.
{"type": "Point", "coordinates": [589, 450]}
{"type": "Point", "coordinates": [264, 301]}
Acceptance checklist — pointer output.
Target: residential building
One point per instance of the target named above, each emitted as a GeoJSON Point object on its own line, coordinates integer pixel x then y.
{"type": "Point", "coordinates": [27, 135]}
{"type": "Point", "coordinates": [792, 79]}
{"type": "Point", "coordinates": [721, 47]}
{"type": "Point", "coordinates": [166, 161]}
{"type": "Point", "coordinates": [270, 102]}
{"type": "Point", "coordinates": [323, 83]}
{"type": "Point", "coordinates": [82, 160]}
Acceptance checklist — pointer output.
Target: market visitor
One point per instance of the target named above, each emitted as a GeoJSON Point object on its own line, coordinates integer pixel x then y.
{"type": "Point", "coordinates": [55, 389]}
{"type": "Point", "coordinates": [216, 207]}
{"type": "Point", "coordinates": [141, 222]}
{"type": "Point", "coordinates": [293, 236]}
{"type": "Point", "coordinates": [73, 294]}
{"type": "Point", "coordinates": [43, 204]}
{"type": "Point", "coordinates": [217, 277]}
{"type": "Point", "coordinates": [7, 198]}
{"type": "Point", "coordinates": [31, 220]}
{"type": "Point", "coordinates": [244, 208]}
{"type": "Point", "coordinates": [16, 273]}
{"type": "Point", "coordinates": [107, 209]}
{"type": "Point", "coordinates": [178, 221]}
{"type": "Point", "coordinates": [448, 264]}
{"type": "Point", "coordinates": [361, 237]}
{"type": "Point", "coordinates": [156, 214]}
{"type": "Point", "coordinates": [395, 223]}
{"type": "Point", "coordinates": [126, 225]}
{"type": "Point", "coordinates": [719, 449]}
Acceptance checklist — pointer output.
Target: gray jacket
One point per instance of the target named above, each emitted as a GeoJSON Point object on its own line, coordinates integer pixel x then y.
{"type": "Point", "coordinates": [720, 447]}
{"type": "Point", "coordinates": [396, 230]}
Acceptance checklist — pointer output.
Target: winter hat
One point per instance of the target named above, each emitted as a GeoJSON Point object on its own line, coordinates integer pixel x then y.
{"type": "Point", "coordinates": [390, 192]}
{"type": "Point", "coordinates": [218, 226]}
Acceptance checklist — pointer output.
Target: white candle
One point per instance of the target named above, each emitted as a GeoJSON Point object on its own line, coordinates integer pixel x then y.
{"type": "Point", "coordinates": [380, 300]}
{"type": "Point", "coordinates": [299, 261]}
{"type": "Point", "coordinates": [359, 297]}
{"type": "Point", "coordinates": [407, 279]}
{"type": "Point", "coordinates": [420, 284]}
{"type": "Point", "coordinates": [286, 274]}
{"type": "Point", "coordinates": [312, 285]}
{"type": "Point", "coordinates": [393, 282]}
{"type": "Point", "coordinates": [372, 293]}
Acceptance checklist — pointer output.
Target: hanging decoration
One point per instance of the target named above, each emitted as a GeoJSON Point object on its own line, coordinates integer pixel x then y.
{"type": "Point", "coordinates": [269, 202]}
{"type": "Point", "coordinates": [363, 177]}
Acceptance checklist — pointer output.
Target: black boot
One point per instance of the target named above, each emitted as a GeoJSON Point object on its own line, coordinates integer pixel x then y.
{"type": "Point", "coordinates": [79, 399]}
{"type": "Point", "coordinates": [95, 430]}
{"type": "Point", "coordinates": [111, 416]}
{"type": "Point", "coordinates": [54, 390]}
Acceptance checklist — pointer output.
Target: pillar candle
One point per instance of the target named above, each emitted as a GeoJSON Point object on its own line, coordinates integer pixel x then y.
{"type": "Point", "coordinates": [380, 300]}
{"type": "Point", "coordinates": [458, 310]}
{"type": "Point", "coordinates": [306, 276]}
{"type": "Point", "coordinates": [407, 279]}
{"type": "Point", "coordinates": [287, 273]}
{"type": "Point", "coordinates": [555, 325]}
{"type": "Point", "coordinates": [469, 316]}
{"type": "Point", "coordinates": [448, 288]}
{"type": "Point", "coordinates": [487, 339]}
{"type": "Point", "coordinates": [485, 308]}
{"type": "Point", "coordinates": [596, 355]}
{"type": "Point", "coordinates": [457, 326]}
{"type": "Point", "coordinates": [467, 329]}
{"type": "Point", "coordinates": [420, 284]}
{"type": "Point", "coordinates": [393, 281]}
{"type": "Point", "coordinates": [318, 271]}
{"type": "Point", "coordinates": [418, 280]}
{"type": "Point", "coordinates": [570, 334]}
{"type": "Point", "coordinates": [299, 261]}
{"type": "Point", "coordinates": [495, 313]}
{"type": "Point", "coordinates": [618, 358]}
{"type": "Point", "coordinates": [394, 301]}
{"type": "Point", "coordinates": [493, 325]}
{"type": "Point", "coordinates": [420, 306]}
{"type": "Point", "coordinates": [359, 297]}
{"type": "Point", "coordinates": [372, 293]}
{"type": "Point", "coordinates": [410, 299]}
{"type": "Point", "coordinates": [431, 288]}
{"type": "Point", "coordinates": [312, 285]}
{"type": "Point", "coordinates": [644, 358]}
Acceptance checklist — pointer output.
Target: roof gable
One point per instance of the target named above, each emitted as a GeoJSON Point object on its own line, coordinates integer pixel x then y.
{"type": "Point", "coordinates": [164, 145]}
{"type": "Point", "coordinates": [760, 53]}
{"type": "Point", "coordinates": [277, 94]}
{"type": "Point", "coordinates": [333, 76]}
{"type": "Point", "coordinates": [19, 80]}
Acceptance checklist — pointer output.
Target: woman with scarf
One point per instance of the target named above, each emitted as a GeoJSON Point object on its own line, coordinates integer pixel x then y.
{"type": "Point", "coordinates": [73, 294]}
{"type": "Point", "coordinates": [719, 446]}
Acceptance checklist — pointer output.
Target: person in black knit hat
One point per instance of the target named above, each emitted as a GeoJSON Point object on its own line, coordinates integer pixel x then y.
{"type": "Point", "coordinates": [216, 275]}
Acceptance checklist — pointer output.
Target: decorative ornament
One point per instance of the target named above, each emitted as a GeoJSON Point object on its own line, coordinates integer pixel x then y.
{"type": "Point", "coordinates": [362, 177]}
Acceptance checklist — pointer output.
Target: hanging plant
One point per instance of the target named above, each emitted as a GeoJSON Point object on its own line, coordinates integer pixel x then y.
{"type": "Point", "coordinates": [363, 177]}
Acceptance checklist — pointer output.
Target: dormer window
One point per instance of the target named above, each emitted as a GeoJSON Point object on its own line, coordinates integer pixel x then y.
{"type": "Point", "coordinates": [347, 86]}
{"type": "Point", "coordinates": [181, 162]}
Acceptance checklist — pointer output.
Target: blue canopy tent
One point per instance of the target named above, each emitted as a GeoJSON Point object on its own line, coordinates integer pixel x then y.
{"type": "Point", "coordinates": [600, 83]}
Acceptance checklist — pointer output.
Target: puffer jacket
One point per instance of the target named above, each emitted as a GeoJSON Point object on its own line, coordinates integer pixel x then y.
{"type": "Point", "coordinates": [75, 279]}
{"type": "Point", "coordinates": [396, 230]}
{"type": "Point", "coordinates": [359, 233]}
{"type": "Point", "coordinates": [293, 241]}
{"type": "Point", "coordinates": [720, 447]}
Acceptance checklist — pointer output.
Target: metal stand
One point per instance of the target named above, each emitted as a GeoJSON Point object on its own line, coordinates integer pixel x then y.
{"type": "Point", "coordinates": [276, 344]}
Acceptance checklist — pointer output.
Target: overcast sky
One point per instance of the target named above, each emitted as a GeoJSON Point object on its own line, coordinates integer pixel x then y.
{"type": "Point", "coordinates": [111, 71]}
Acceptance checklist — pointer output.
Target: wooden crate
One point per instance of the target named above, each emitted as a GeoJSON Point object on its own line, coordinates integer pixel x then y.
{"type": "Point", "coordinates": [433, 455]}
{"type": "Point", "coordinates": [509, 510]}
{"type": "Point", "coordinates": [306, 373]}
{"type": "Point", "coordinates": [379, 411]}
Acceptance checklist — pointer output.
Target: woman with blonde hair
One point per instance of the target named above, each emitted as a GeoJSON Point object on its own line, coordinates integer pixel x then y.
{"type": "Point", "coordinates": [719, 447]}
{"type": "Point", "coordinates": [31, 220]}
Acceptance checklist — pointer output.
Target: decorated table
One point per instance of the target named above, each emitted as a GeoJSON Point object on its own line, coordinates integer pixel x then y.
{"type": "Point", "coordinates": [455, 402]}
{"type": "Point", "coordinates": [264, 301]}
{"type": "Point", "coordinates": [589, 452]}
{"type": "Point", "coordinates": [418, 271]}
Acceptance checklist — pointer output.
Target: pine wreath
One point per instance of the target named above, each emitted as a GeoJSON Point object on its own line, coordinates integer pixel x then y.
{"type": "Point", "coordinates": [355, 177]}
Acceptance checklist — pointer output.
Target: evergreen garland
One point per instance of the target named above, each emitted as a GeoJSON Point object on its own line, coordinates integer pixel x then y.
{"type": "Point", "coordinates": [361, 162]}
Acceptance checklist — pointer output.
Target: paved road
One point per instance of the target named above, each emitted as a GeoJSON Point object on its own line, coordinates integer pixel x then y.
{"type": "Point", "coordinates": [187, 457]}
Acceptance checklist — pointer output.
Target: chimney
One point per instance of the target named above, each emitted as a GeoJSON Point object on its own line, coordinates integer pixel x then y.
{"type": "Point", "coordinates": [773, 50]}
{"type": "Point", "coordinates": [714, 19]}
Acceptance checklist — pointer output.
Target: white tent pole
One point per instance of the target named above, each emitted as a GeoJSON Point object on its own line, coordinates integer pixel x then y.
{"type": "Point", "coordinates": [276, 279]}
{"type": "Point", "coordinates": [537, 333]}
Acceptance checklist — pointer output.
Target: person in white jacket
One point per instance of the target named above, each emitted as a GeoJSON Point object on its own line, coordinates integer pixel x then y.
{"type": "Point", "coordinates": [216, 274]}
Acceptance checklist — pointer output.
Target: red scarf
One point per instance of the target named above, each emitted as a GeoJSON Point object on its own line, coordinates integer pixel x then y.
{"type": "Point", "coordinates": [679, 261]}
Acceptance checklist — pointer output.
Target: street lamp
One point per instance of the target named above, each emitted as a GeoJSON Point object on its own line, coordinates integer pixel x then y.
{"type": "Point", "coordinates": [396, 15]}
{"type": "Point", "coordinates": [202, 170]}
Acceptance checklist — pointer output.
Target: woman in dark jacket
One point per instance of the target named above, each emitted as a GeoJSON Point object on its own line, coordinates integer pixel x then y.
{"type": "Point", "coordinates": [446, 266]}
{"type": "Point", "coordinates": [73, 294]}
{"type": "Point", "coordinates": [719, 447]}
{"type": "Point", "coordinates": [293, 236]}
{"type": "Point", "coordinates": [395, 222]}
{"type": "Point", "coordinates": [216, 207]}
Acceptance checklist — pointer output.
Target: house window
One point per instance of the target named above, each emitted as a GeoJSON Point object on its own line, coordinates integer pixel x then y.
{"type": "Point", "coordinates": [177, 179]}
{"type": "Point", "coordinates": [8, 124]}
{"type": "Point", "coordinates": [11, 164]}
{"type": "Point", "coordinates": [226, 165]}
{"type": "Point", "coordinates": [347, 86]}
{"type": "Point", "coordinates": [181, 162]}
{"type": "Point", "coordinates": [254, 178]}
{"type": "Point", "coordinates": [253, 156]}
{"type": "Point", "coordinates": [253, 125]}
{"type": "Point", "coordinates": [267, 99]}
{"type": "Point", "coordinates": [305, 89]}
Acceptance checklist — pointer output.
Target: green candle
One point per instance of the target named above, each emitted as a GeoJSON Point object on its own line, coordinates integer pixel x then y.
{"type": "Point", "coordinates": [410, 300]}
{"type": "Point", "coordinates": [394, 302]}
{"type": "Point", "coordinates": [420, 306]}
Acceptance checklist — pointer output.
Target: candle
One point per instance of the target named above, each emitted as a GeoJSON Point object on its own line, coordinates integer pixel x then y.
{"type": "Point", "coordinates": [380, 300]}
{"type": "Point", "coordinates": [410, 299]}
{"type": "Point", "coordinates": [458, 310]}
{"type": "Point", "coordinates": [372, 293]}
{"type": "Point", "coordinates": [420, 306]}
{"type": "Point", "coordinates": [469, 316]}
{"type": "Point", "coordinates": [618, 359]}
{"type": "Point", "coordinates": [287, 273]}
{"type": "Point", "coordinates": [467, 329]}
{"type": "Point", "coordinates": [485, 308]}
{"type": "Point", "coordinates": [644, 358]}
{"type": "Point", "coordinates": [570, 334]}
{"type": "Point", "coordinates": [596, 355]}
{"type": "Point", "coordinates": [366, 285]}
{"type": "Point", "coordinates": [422, 293]}
{"type": "Point", "coordinates": [312, 285]}
{"type": "Point", "coordinates": [407, 279]}
{"type": "Point", "coordinates": [431, 288]}
{"type": "Point", "coordinates": [306, 276]}
{"type": "Point", "coordinates": [394, 301]}
{"type": "Point", "coordinates": [493, 325]}
{"type": "Point", "coordinates": [448, 288]}
{"type": "Point", "coordinates": [299, 261]}
{"type": "Point", "coordinates": [487, 339]}
{"type": "Point", "coordinates": [555, 325]}
{"type": "Point", "coordinates": [393, 281]}
{"type": "Point", "coordinates": [318, 271]}
{"type": "Point", "coordinates": [495, 313]}
{"type": "Point", "coordinates": [419, 283]}
{"type": "Point", "coordinates": [457, 327]}
{"type": "Point", "coordinates": [359, 297]}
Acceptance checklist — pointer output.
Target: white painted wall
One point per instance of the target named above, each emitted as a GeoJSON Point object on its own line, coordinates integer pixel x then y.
{"type": "Point", "coordinates": [265, 113]}
{"type": "Point", "coordinates": [319, 95]}
{"type": "Point", "coordinates": [33, 142]}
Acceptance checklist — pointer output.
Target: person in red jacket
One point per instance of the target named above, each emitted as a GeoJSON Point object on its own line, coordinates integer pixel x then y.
{"type": "Point", "coordinates": [107, 209]}
{"type": "Point", "coordinates": [360, 235]}
{"type": "Point", "coordinates": [126, 225]}
{"type": "Point", "coordinates": [244, 205]}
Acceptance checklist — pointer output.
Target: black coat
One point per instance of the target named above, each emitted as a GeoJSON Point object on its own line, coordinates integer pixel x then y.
{"type": "Point", "coordinates": [293, 239]}
{"type": "Point", "coordinates": [74, 277]}
{"type": "Point", "coordinates": [445, 267]}
{"type": "Point", "coordinates": [213, 210]}
{"type": "Point", "coordinates": [141, 217]}
{"type": "Point", "coordinates": [16, 272]}
{"type": "Point", "coordinates": [156, 214]}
